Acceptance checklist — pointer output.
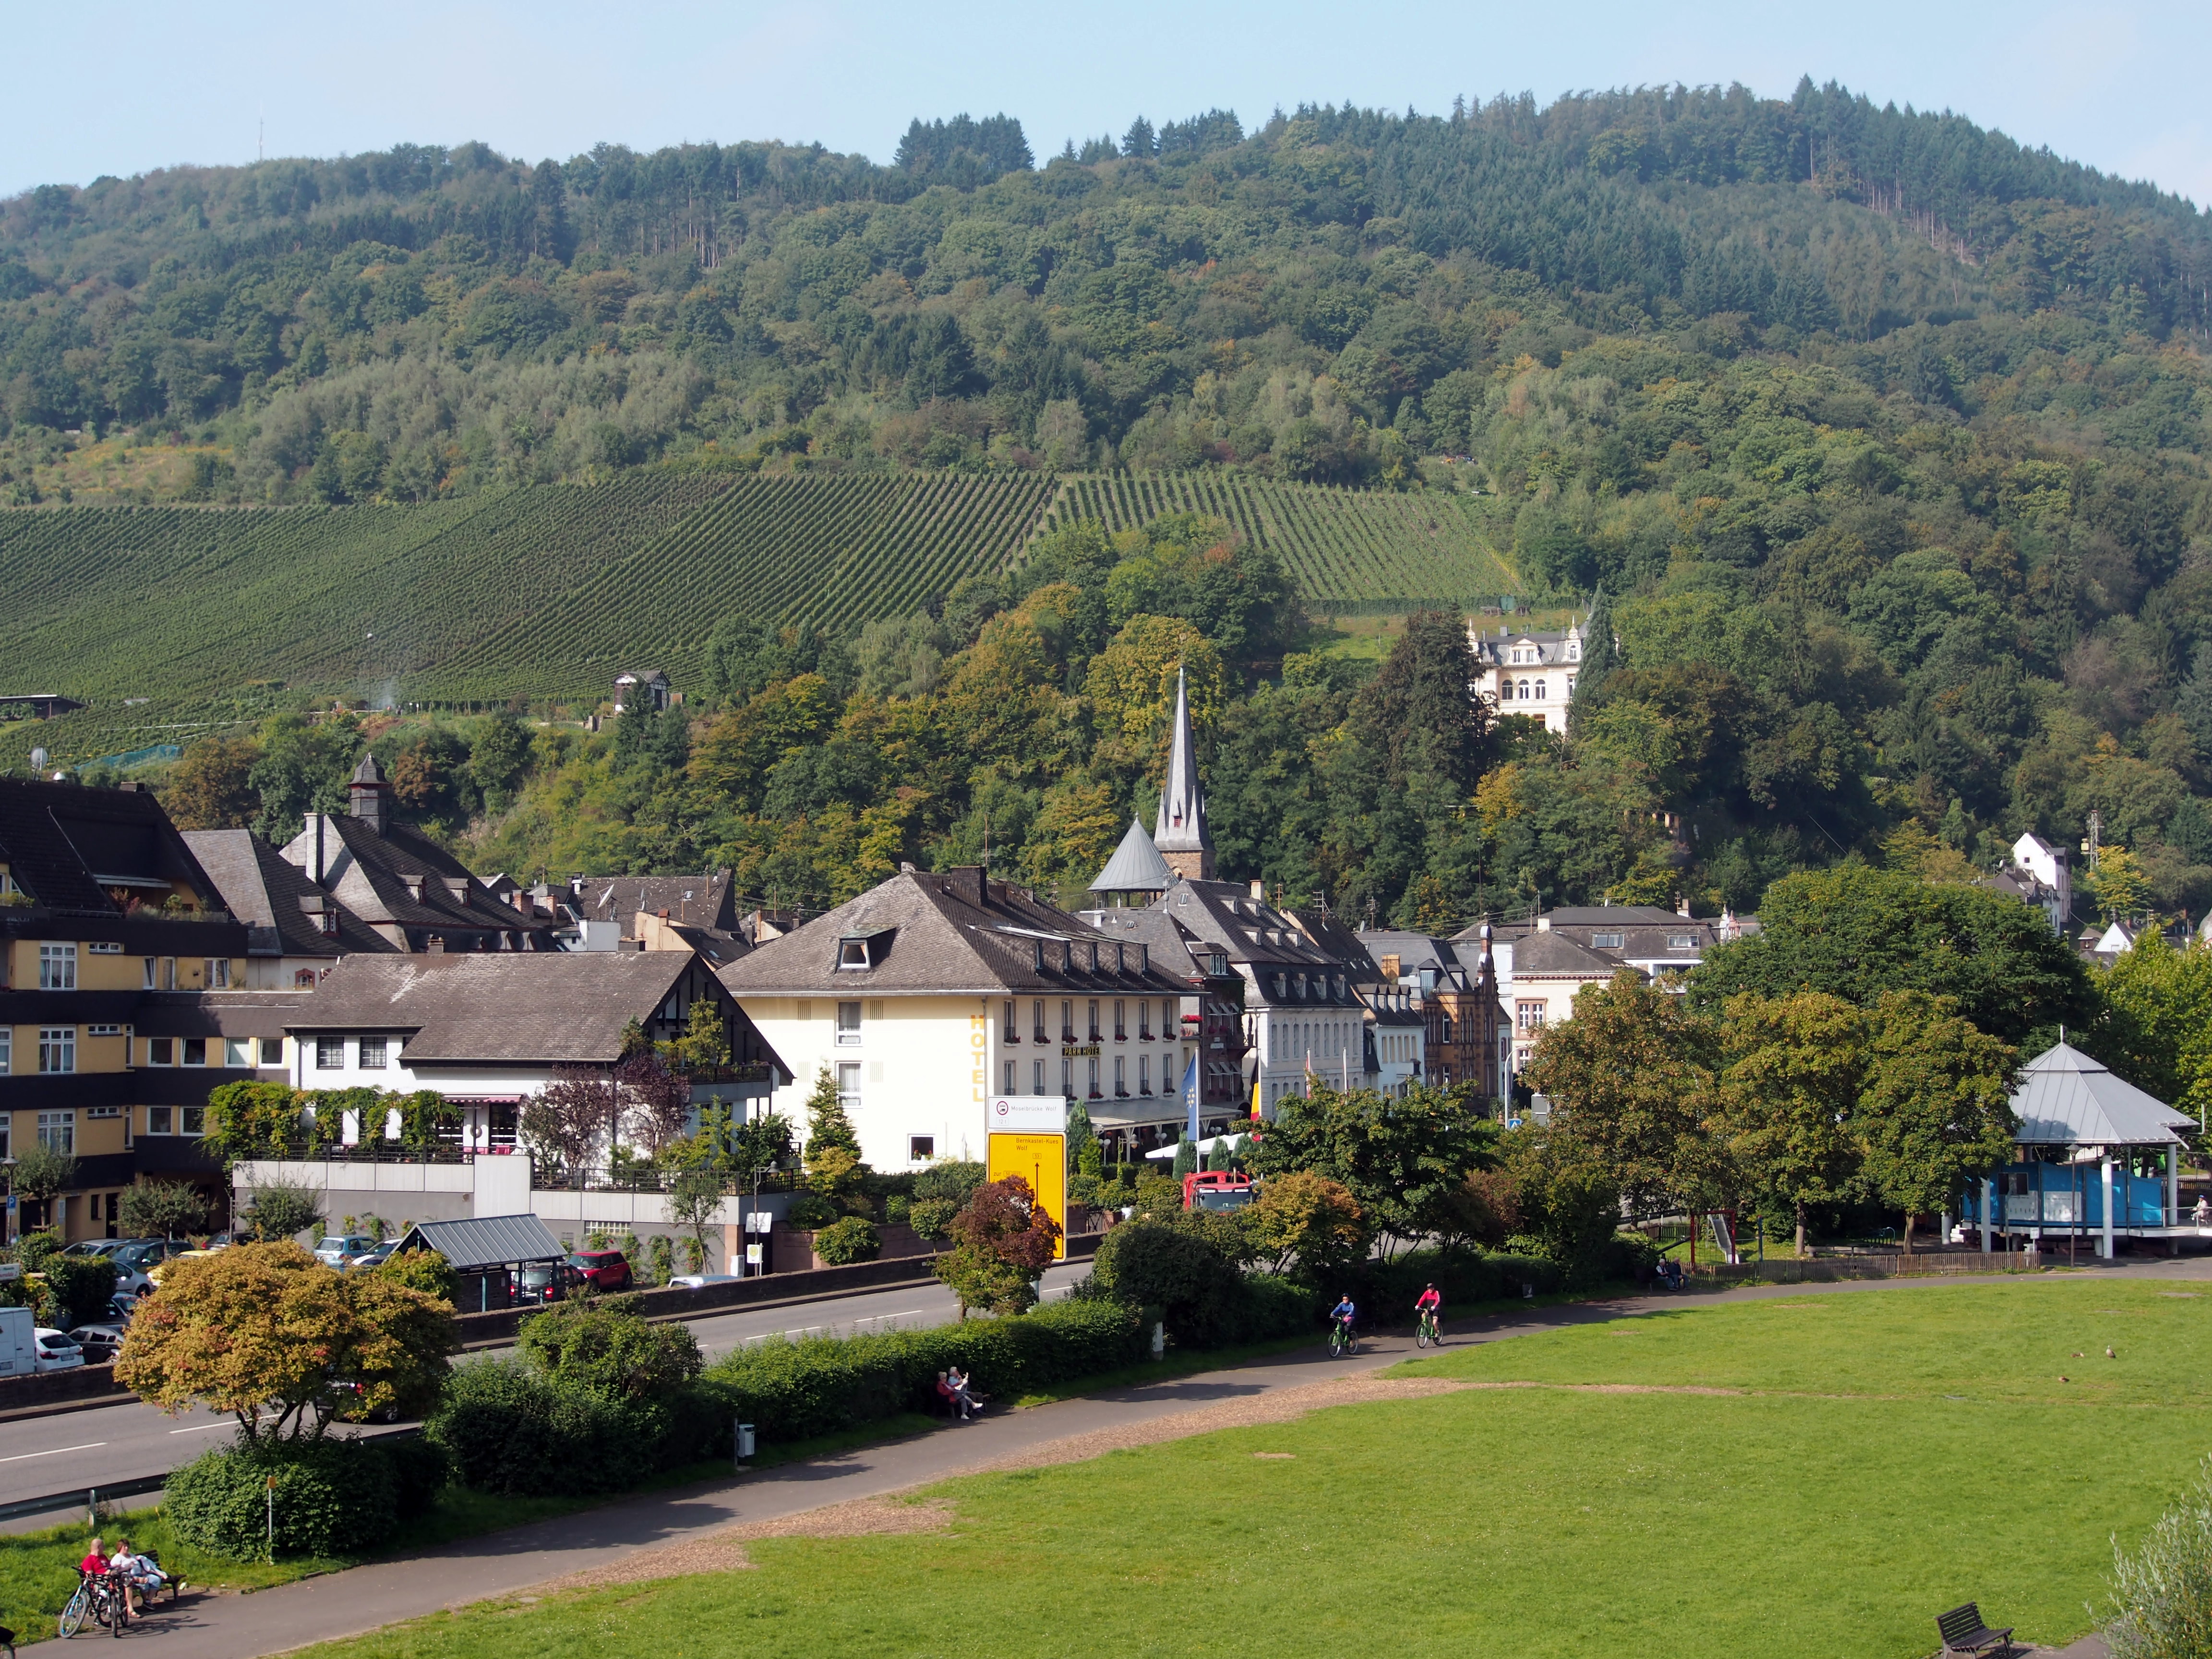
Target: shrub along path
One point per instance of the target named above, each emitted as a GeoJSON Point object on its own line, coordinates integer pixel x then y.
{"type": "Point", "coordinates": [595, 1541]}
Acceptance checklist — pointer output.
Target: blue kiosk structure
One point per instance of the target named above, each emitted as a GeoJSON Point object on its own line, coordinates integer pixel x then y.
{"type": "Point", "coordinates": [2097, 1159]}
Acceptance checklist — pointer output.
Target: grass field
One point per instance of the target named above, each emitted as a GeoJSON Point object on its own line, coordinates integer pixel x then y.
{"type": "Point", "coordinates": [1847, 1465]}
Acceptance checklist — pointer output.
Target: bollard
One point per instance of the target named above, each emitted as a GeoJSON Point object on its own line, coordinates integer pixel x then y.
{"type": "Point", "coordinates": [272, 1519]}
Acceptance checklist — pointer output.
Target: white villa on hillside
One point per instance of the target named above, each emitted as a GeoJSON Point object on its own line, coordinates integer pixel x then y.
{"type": "Point", "coordinates": [1524, 673]}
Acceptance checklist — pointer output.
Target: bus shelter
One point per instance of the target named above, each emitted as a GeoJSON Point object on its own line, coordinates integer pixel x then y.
{"type": "Point", "coordinates": [2097, 1159]}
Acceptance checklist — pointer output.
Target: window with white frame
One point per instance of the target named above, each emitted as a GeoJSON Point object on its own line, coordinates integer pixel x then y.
{"type": "Point", "coordinates": [1009, 1076]}
{"type": "Point", "coordinates": [1067, 1079]}
{"type": "Point", "coordinates": [1143, 1074]}
{"type": "Point", "coordinates": [272, 1051]}
{"type": "Point", "coordinates": [848, 1025]}
{"type": "Point", "coordinates": [1528, 1016]}
{"type": "Point", "coordinates": [110, 1030]}
{"type": "Point", "coordinates": [1121, 1078]}
{"type": "Point", "coordinates": [848, 1084]}
{"type": "Point", "coordinates": [58, 1131]}
{"type": "Point", "coordinates": [149, 963]}
{"type": "Point", "coordinates": [105, 947]}
{"type": "Point", "coordinates": [330, 1054]}
{"type": "Point", "coordinates": [196, 1051]}
{"type": "Point", "coordinates": [195, 1118]}
{"type": "Point", "coordinates": [161, 1051]}
{"type": "Point", "coordinates": [375, 1052]}
{"type": "Point", "coordinates": [58, 967]}
{"type": "Point", "coordinates": [1036, 1077]}
{"type": "Point", "coordinates": [238, 1053]}
{"type": "Point", "coordinates": [919, 1149]}
{"type": "Point", "coordinates": [1606, 941]}
{"type": "Point", "coordinates": [6, 1050]}
{"type": "Point", "coordinates": [161, 1120]}
{"type": "Point", "coordinates": [57, 1049]}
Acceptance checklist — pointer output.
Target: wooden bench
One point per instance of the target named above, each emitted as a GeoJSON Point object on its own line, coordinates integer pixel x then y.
{"type": "Point", "coordinates": [1963, 1631]}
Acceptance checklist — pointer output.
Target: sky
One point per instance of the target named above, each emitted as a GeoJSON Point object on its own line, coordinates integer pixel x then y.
{"type": "Point", "coordinates": [2116, 85]}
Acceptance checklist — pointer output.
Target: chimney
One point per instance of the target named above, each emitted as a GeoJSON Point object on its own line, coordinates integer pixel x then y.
{"type": "Point", "coordinates": [1259, 890]}
{"type": "Point", "coordinates": [965, 881]}
{"type": "Point", "coordinates": [1682, 906]}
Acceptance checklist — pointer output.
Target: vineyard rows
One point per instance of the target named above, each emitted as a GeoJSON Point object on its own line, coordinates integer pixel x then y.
{"type": "Point", "coordinates": [1347, 549]}
{"type": "Point", "coordinates": [547, 592]}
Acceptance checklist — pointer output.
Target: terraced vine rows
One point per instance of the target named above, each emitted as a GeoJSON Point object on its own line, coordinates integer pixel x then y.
{"type": "Point", "coordinates": [1348, 550]}
{"type": "Point", "coordinates": [537, 591]}
{"type": "Point", "coordinates": [832, 551]}
{"type": "Point", "coordinates": [544, 592]}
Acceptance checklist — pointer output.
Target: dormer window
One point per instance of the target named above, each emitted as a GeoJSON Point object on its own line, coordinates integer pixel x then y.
{"type": "Point", "coordinates": [853, 953]}
{"type": "Point", "coordinates": [1606, 941]}
{"type": "Point", "coordinates": [1681, 941]}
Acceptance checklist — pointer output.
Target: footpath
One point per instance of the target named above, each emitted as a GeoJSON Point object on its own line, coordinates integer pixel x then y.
{"type": "Point", "coordinates": [593, 1541]}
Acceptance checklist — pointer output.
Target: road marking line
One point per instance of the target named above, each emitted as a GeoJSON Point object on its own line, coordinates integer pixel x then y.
{"type": "Point", "coordinates": [201, 1428]}
{"type": "Point", "coordinates": [56, 1452]}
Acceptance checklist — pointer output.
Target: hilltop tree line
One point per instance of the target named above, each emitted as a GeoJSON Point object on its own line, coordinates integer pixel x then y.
{"type": "Point", "coordinates": [1331, 295]}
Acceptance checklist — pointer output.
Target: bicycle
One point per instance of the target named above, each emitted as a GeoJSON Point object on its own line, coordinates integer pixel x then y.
{"type": "Point", "coordinates": [1341, 1340]}
{"type": "Point", "coordinates": [1428, 1334]}
{"type": "Point", "coordinates": [97, 1599]}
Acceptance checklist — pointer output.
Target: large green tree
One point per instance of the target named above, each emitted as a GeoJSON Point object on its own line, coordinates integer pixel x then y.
{"type": "Point", "coordinates": [1793, 1067]}
{"type": "Point", "coordinates": [1935, 1114]}
{"type": "Point", "coordinates": [1855, 932]}
{"type": "Point", "coordinates": [1402, 1160]}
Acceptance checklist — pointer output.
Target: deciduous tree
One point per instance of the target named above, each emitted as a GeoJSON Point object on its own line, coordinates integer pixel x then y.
{"type": "Point", "coordinates": [1935, 1112]}
{"type": "Point", "coordinates": [284, 1343]}
{"type": "Point", "coordinates": [1794, 1068]}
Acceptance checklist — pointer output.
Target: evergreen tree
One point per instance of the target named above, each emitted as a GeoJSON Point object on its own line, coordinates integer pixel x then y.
{"type": "Point", "coordinates": [833, 1150]}
{"type": "Point", "coordinates": [1600, 658]}
{"type": "Point", "coordinates": [1139, 140]}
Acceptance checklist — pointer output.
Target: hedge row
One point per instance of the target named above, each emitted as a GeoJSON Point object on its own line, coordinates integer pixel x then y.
{"type": "Point", "coordinates": [797, 1390]}
{"type": "Point", "coordinates": [338, 1496]}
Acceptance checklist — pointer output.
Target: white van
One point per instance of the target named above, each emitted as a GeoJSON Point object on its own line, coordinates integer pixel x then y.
{"type": "Point", "coordinates": [19, 1342]}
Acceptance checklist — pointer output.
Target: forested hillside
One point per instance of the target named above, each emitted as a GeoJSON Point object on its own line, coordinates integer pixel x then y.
{"type": "Point", "coordinates": [1880, 438]}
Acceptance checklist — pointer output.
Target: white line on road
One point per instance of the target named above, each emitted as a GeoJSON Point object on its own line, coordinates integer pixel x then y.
{"type": "Point", "coordinates": [54, 1452]}
{"type": "Point", "coordinates": [200, 1428]}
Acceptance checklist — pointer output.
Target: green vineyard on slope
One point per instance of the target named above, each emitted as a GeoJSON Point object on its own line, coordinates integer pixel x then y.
{"type": "Point", "coordinates": [546, 592]}
{"type": "Point", "coordinates": [1350, 551]}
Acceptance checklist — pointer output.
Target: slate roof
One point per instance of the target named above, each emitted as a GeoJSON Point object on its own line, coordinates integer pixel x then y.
{"type": "Point", "coordinates": [1136, 866]}
{"type": "Point", "coordinates": [65, 845]}
{"type": "Point", "coordinates": [1256, 936]}
{"type": "Point", "coordinates": [513, 1007]}
{"type": "Point", "coordinates": [219, 1014]}
{"type": "Point", "coordinates": [694, 901]}
{"type": "Point", "coordinates": [369, 873]}
{"type": "Point", "coordinates": [263, 889]}
{"type": "Point", "coordinates": [485, 1241]}
{"type": "Point", "coordinates": [947, 931]}
{"type": "Point", "coordinates": [1555, 952]}
{"type": "Point", "coordinates": [2067, 1099]}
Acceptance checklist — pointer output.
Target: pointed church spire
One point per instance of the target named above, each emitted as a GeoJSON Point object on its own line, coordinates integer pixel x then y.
{"type": "Point", "coordinates": [1180, 833]}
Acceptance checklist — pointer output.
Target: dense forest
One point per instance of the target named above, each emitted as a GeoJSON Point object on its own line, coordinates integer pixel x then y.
{"type": "Point", "coordinates": [1876, 440]}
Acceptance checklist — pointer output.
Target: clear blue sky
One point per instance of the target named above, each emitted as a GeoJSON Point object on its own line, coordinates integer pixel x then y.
{"type": "Point", "coordinates": [2118, 85]}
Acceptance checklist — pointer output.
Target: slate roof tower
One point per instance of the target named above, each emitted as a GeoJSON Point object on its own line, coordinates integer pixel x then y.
{"type": "Point", "coordinates": [1180, 833]}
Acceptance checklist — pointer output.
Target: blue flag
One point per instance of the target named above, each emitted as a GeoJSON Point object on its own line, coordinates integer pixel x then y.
{"type": "Point", "coordinates": [1190, 1093]}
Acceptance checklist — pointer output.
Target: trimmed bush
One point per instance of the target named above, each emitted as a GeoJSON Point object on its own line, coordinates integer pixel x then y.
{"type": "Point", "coordinates": [335, 1496]}
{"type": "Point", "coordinates": [1386, 1291]}
{"type": "Point", "coordinates": [78, 1288]}
{"type": "Point", "coordinates": [513, 1431]}
{"type": "Point", "coordinates": [1196, 1287]}
{"type": "Point", "coordinates": [853, 1239]}
{"type": "Point", "coordinates": [420, 1470]}
{"type": "Point", "coordinates": [797, 1390]}
{"type": "Point", "coordinates": [810, 1210]}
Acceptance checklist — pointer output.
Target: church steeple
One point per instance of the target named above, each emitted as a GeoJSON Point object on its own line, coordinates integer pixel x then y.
{"type": "Point", "coordinates": [1180, 833]}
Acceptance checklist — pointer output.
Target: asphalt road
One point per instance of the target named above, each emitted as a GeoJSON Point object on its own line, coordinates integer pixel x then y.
{"type": "Point", "coordinates": [41, 1455]}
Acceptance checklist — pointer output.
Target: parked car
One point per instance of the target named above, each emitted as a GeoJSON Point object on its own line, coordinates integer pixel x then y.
{"type": "Point", "coordinates": [152, 1275]}
{"type": "Point", "coordinates": [148, 1253]}
{"type": "Point", "coordinates": [57, 1353]}
{"type": "Point", "coordinates": [377, 1257]}
{"type": "Point", "coordinates": [336, 1250]}
{"type": "Point", "coordinates": [603, 1270]}
{"type": "Point", "coordinates": [544, 1281]}
{"type": "Point", "coordinates": [98, 1342]}
{"type": "Point", "coordinates": [693, 1281]}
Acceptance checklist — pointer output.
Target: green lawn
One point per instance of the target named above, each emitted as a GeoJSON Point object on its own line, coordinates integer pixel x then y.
{"type": "Point", "coordinates": [1897, 1450]}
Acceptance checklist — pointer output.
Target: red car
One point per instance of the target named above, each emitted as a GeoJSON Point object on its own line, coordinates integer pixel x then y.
{"type": "Point", "coordinates": [603, 1270]}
